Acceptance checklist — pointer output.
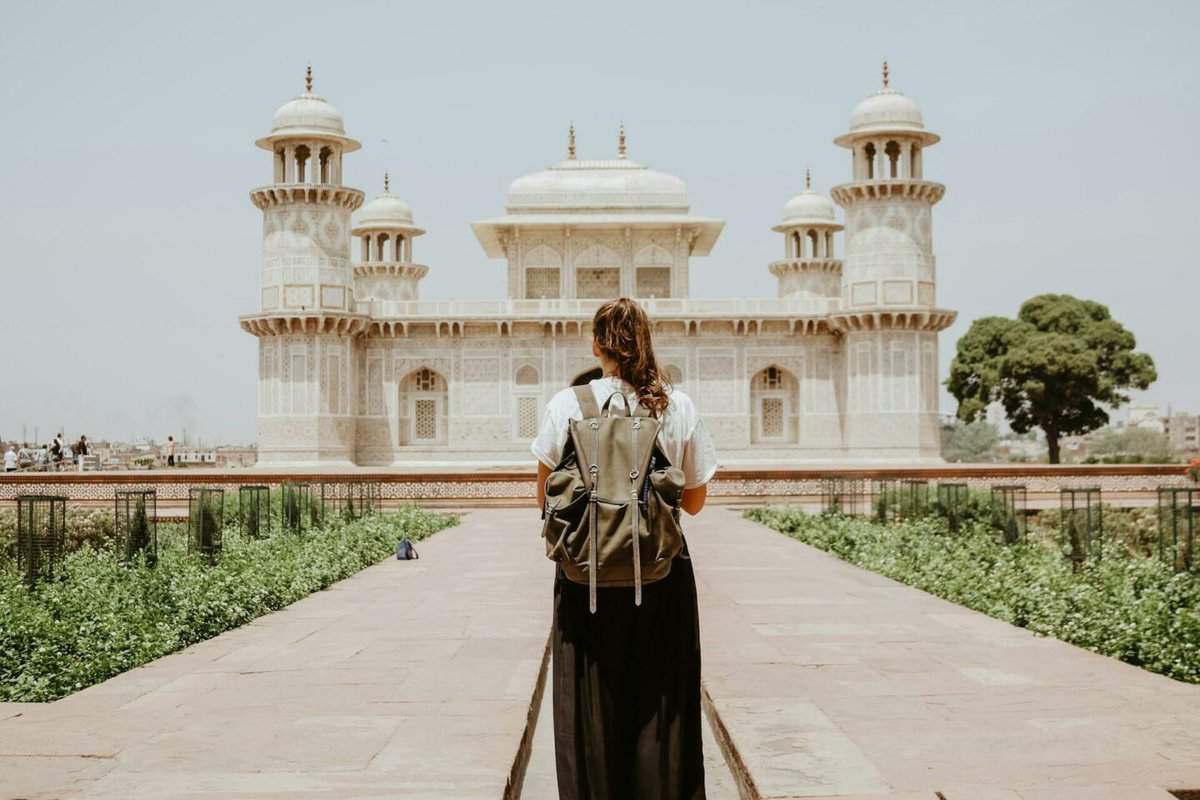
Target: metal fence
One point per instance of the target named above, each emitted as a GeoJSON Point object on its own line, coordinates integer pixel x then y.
{"type": "Point", "coordinates": [206, 521]}
{"type": "Point", "coordinates": [1081, 522]}
{"type": "Point", "coordinates": [1009, 505]}
{"type": "Point", "coordinates": [952, 503]}
{"type": "Point", "coordinates": [41, 534]}
{"type": "Point", "coordinates": [1177, 518]}
{"type": "Point", "coordinates": [135, 524]}
{"type": "Point", "coordinates": [254, 511]}
{"type": "Point", "coordinates": [843, 496]}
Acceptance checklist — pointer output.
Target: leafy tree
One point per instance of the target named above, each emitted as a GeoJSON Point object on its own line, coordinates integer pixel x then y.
{"type": "Point", "coordinates": [970, 442]}
{"type": "Point", "coordinates": [1058, 366]}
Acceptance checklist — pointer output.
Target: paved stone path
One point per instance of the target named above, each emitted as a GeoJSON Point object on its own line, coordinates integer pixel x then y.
{"type": "Point", "coordinates": [411, 679]}
{"type": "Point", "coordinates": [838, 683]}
{"type": "Point", "coordinates": [414, 680]}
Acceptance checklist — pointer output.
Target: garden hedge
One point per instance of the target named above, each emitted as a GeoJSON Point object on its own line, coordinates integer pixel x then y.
{"type": "Point", "coordinates": [102, 617]}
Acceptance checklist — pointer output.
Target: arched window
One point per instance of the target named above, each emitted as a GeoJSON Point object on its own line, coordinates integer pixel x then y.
{"type": "Point", "coordinates": [892, 151]}
{"type": "Point", "coordinates": [797, 245]}
{"type": "Point", "coordinates": [423, 408]}
{"type": "Point", "coordinates": [380, 243]}
{"type": "Point", "coordinates": [526, 401]}
{"type": "Point", "coordinates": [326, 161]}
{"type": "Point", "coordinates": [398, 248]}
{"type": "Point", "coordinates": [814, 251]}
{"type": "Point", "coordinates": [303, 157]}
{"type": "Point", "coordinates": [526, 376]}
{"type": "Point", "coordinates": [774, 407]}
{"type": "Point", "coordinates": [869, 156]}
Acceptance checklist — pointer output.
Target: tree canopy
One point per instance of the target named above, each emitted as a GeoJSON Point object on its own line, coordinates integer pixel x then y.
{"type": "Point", "coordinates": [1059, 366]}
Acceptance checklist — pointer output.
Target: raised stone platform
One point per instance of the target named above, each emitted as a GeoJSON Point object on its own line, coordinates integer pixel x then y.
{"type": "Point", "coordinates": [513, 484]}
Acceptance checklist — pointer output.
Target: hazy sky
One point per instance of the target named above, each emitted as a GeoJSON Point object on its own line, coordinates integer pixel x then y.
{"type": "Point", "coordinates": [130, 245]}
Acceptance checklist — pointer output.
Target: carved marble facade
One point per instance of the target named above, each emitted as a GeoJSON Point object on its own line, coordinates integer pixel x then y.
{"type": "Point", "coordinates": [355, 368]}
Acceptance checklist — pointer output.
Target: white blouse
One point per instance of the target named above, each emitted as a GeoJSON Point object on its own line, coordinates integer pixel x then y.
{"type": "Point", "coordinates": [682, 436]}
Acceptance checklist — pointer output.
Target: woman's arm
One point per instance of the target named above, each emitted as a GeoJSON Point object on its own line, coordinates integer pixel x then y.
{"type": "Point", "coordinates": [543, 473]}
{"type": "Point", "coordinates": [693, 499]}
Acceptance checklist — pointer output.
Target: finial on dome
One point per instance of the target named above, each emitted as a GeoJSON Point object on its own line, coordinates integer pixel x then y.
{"type": "Point", "coordinates": [885, 74]}
{"type": "Point", "coordinates": [571, 142]}
{"type": "Point", "coordinates": [308, 79]}
{"type": "Point", "coordinates": [807, 179]}
{"type": "Point", "coordinates": [621, 142]}
{"type": "Point", "coordinates": [385, 182]}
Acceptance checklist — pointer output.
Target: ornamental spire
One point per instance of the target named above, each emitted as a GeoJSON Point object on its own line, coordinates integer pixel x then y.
{"type": "Point", "coordinates": [621, 142]}
{"type": "Point", "coordinates": [385, 182]}
{"type": "Point", "coordinates": [571, 142]}
{"type": "Point", "coordinates": [885, 74]}
{"type": "Point", "coordinates": [308, 79]}
{"type": "Point", "coordinates": [807, 179]}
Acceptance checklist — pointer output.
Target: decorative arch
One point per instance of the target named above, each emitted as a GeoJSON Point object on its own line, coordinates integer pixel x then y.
{"type": "Point", "coordinates": [774, 406]}
{"type": "Point", "coordinates": [597, 255]}
{"type": "Point", "coordinates": [424, 406]}
{"type": "Point", "coordinates": [526, 401]}
{"type": "Point", "coordinates": [653, 255]}
{"type": "Point", "coordinates": [526, 376]}
{"type": "Point", "coordinates": [543, 256]}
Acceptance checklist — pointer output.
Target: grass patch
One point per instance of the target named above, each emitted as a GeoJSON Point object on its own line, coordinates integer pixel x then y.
{"type": "Point", "coordinates": [100, 617]}
{"type": "Point", "coordinates": [1123, 605]}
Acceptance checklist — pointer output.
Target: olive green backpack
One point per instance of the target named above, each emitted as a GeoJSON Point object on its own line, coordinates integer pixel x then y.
{"type": "Point", "coordinates": [612, 504]}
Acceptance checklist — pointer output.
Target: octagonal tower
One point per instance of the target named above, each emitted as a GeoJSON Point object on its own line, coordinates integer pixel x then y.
{"type": "Point", "coordinates": [889, 314]}
{"type": "Point", "coordinates": [306, 320]}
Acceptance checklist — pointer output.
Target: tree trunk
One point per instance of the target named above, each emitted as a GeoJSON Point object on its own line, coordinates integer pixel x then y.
{"type": "Point", "coordinates": [1052, 443]}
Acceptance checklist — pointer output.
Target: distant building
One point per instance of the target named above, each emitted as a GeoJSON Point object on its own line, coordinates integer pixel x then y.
{"type": "Point", "coordinates": [354, 368]}
{"type": "Point", "coordinates": [1183, 433]}
{"type": "Point", "coordinates": [1146, 417]}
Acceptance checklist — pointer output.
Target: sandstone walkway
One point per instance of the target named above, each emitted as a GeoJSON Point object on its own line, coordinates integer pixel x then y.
{"type": "Point", "coordinates": [834, 682]}
{"type": "Point", "coordinates": [408, 680]}
{"type": "Point", "coordinates": [419, 680]}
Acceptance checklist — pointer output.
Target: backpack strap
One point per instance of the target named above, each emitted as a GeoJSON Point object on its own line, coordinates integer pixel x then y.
{"type": "Point", "coordinates": [587, 402]}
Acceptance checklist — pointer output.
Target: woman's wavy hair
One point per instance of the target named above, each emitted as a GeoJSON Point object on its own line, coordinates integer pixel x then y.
{"type": "Point", "coordinates": [622, 332]}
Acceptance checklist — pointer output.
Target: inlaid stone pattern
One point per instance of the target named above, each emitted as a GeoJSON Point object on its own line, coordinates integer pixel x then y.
{"type": "Point", "coordinates": [804, 486]}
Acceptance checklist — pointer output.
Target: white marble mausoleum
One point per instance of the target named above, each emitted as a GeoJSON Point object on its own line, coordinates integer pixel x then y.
{"type": "Point", "coordinates": [355, 368]}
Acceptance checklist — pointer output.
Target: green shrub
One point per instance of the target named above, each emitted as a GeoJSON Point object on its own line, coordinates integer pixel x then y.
{"type": "Point", "coordinates": [104, 617]}
{"type": "Point", "coordinates": [1122, 605]}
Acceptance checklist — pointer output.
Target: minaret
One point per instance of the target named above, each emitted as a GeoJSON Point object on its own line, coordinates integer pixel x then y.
{"type": "Point", "coordinates": [386, 270]}
{"type": "Point", "coordinates": [809, 274]}
{"type": "Point", "coordinates": [307, 313]}
{"type": "Point", "coordinates": [889, 314]}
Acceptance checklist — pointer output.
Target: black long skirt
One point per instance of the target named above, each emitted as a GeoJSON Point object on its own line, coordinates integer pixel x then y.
{"type": "Point", "coordinates": [626, 688]}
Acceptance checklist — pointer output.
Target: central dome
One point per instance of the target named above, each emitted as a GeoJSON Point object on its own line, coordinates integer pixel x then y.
{"type": "Point", "coordinates": [575, 185]}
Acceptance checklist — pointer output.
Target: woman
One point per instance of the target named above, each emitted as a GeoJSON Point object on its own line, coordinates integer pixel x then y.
{"type": "Point", "coordinates": [626, 680]}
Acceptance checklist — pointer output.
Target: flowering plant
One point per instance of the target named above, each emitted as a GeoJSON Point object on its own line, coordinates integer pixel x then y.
{"type": "Point", "coordinates": [1193, 470]}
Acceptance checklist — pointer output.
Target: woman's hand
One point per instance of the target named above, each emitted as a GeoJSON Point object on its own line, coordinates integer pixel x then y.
{"type": "Point", "coordinates": [693, 499]}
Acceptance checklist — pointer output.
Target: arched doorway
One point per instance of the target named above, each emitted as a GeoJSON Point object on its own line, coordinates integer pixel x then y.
{"type": "Point", "coordinates": [423, 407]}
{"type": "Point", "coordinates": [774, 406]}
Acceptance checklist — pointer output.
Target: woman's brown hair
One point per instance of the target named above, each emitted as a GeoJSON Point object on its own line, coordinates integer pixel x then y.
{"type": "Point", "coordinates": [622, 332]}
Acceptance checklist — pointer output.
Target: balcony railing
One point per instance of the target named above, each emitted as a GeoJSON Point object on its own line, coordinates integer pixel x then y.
{"type": "Point", "coordinates": [578, 307]}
